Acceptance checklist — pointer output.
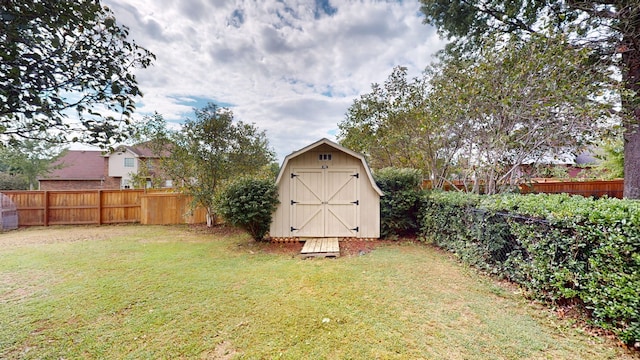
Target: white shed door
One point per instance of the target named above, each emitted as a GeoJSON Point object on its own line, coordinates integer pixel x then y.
{"type": "Point", "coordinates": [324, 202]}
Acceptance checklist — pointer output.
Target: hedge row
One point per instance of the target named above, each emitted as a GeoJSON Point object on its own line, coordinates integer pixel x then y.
{"type": "Point", "coordinates": [556, 246]}
{"type": "Point", "coordinates": [401, 200]}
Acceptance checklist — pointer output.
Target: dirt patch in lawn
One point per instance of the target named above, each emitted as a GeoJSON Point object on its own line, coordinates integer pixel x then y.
{"type": "Point", "coordinates": [17, 286]}
{"type": "Point", "coordinates": [61, 234]}
{"type": "Point", "coordinates": [347, 248]}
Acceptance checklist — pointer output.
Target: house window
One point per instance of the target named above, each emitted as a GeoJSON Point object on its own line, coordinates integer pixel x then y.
{"type": "Point", "coordinates": [128, 162]}
{"type": "Point", "coordinates": [324, 157]}
{"type": "Point", "coordinates": [168, 183]}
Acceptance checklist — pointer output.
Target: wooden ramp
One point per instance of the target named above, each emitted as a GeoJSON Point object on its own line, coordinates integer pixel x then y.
{"type": "Point", "coordinates": [320, 247]}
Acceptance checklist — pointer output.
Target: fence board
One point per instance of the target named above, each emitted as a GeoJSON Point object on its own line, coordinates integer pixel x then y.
{"type": "Point", "coordinates": [597, 188]}
{"type": "Point", "coordinates": [166, 208]}
{"type": "Point", "coordinates": [64, 207]}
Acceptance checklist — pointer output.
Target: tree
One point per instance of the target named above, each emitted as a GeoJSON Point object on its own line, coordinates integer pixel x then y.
{"type": "Point", "coordinates": [608, 29]}
{"type": "Point", "coordinates": [522, 101]}
{"type": "Point", "coordinates": [9, 181]}
{"type": "Point", "coordinates": [395, 125]}
{"type": "Point", "coordinates": [30, 159]}
{"type": "Point", "coordinates": [61, 57]}
{"type": "Point", "coordinates": [611, 155]}
{"type": "Point", "coordinates": [208, 152]}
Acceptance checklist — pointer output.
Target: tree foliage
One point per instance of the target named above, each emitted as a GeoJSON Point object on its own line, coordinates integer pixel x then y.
{"type": "Point", "coordinates": [401, 200]}
{"type": "Point", "coordinates": [64, 57]}
{"type": "Point", "coordinates": [397, 124]}
{"type": "Point", "coordinates": [608, 30]}
{"type": "Point", "coordinates": [516, 101]}
{"type": "Point", "coordinates": [28, 159]}
{"type": "Point", "coordinates": [208, 152]}
{"type": "Point", "coordinates": [522, 101]}
{"type": "Point", "coordinates": [611, 155]}
{"type": "Point", "coordinates": [9, 181]}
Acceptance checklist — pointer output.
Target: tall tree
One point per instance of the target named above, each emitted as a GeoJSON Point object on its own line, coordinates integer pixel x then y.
{"type": "Point", "coordinates": [209, 151]}
{"type": "Point", "coordinates": [395, 126]}
{"type": "Point", "coordinates": [609, 29]}
{"type": "Point", "coordinates": [522, 101]}
{"type": "Point", "coordinates": [60, 57]}
{"type": "Point", "coordinates": [30, 159]}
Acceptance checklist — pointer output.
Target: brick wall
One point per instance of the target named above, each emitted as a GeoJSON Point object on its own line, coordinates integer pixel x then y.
{"type": "Point", "coordinates": [72, 185]}
{"type": "Point", "coordinates": [109, 182]}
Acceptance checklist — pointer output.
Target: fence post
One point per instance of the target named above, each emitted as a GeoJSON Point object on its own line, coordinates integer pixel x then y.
{"type": "Point", "coordinates": [46, 208]}
{"type": "Point", "coordinates": [99, 207]}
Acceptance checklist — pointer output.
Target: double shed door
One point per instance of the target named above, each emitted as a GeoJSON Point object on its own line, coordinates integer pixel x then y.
{"type": "Point", "coordinates": [325, 202]}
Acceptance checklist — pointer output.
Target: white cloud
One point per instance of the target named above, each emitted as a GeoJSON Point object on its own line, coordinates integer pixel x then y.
{"type": "Point", "coordinates": [291, 67]}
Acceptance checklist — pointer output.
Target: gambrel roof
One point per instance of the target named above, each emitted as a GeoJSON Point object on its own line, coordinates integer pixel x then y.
{"type": "Point", "coordinates": [325, 141]}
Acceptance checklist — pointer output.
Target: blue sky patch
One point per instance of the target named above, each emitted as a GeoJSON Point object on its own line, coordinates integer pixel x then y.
{"type": "Point", "coordinates": [200, 102]}
{"type": "Point", "coordinates": [323, 7]}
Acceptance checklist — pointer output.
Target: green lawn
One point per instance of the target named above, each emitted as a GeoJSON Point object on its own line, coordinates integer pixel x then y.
{"type": "Point", "coordinates": [157, 292]}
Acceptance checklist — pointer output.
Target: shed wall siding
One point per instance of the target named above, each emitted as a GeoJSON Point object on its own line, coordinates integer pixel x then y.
{"type": "Point", "coordinates": [369, 208]}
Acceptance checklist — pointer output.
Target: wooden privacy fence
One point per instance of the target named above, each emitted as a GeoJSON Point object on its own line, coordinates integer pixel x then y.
{"type": "Point", "coordinates": [44, 208]}
{"type": "Point", "coordinates": [169, 208]}
{"type": "Point", "coordinates": [597, 188]}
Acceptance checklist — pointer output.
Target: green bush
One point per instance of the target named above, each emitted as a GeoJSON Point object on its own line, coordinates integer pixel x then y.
{"type": "Point", "coordinates": [399, 205]}
{"type": "Point", "coordinates": [248, 204]}
{"type": "Point", "coordinates": [13, 182]}
{"type": "Point", "coordinates": [556, 246]}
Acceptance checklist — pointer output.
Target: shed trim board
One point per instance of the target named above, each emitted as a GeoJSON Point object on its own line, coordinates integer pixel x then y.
{"type": "Point", "coordinates": [326, 191]}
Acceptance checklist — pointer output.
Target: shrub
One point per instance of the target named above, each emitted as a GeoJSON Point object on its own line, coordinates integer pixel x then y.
{"type": "Point", "coordinates": [557, 246]}
{"type": "Point", "coordinates": [248, 204]}
{"type": "Point", "coordinates": [13, 182]}
{"type": "Point", "coordinates": [399, 205]}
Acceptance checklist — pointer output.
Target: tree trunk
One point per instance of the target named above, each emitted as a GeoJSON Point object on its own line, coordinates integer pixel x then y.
{"type": "Point", "coordinates": [632, 159]}
{"type": "Point", "coordinates": [211, 218]}
{"type": "Point", "coordinates": [631, 60]}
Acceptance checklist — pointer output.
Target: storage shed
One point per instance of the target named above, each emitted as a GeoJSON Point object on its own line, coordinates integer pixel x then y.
{"type": "Point", "coordinates": [326, 190]}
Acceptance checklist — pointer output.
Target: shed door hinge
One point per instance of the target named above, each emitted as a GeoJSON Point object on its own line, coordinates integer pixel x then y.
{"type": "Point", "coordinates": [355, 229]}
{"type": "Point", "coordinates": [357, 175]}
{"type": "Point", "coordinates": [357, 202]}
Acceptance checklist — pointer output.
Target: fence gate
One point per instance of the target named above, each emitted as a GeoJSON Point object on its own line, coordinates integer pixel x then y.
{"type": "Point", "coordinates": [8, 213]}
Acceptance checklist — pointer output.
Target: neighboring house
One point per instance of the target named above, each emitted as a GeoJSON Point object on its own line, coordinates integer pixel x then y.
{"type": "Point", "coordinates": [120, 169]}
{"type": "Point", "coordinates": [135, 164]}
{"type": "Point", "coordinates": [79, 170]}
{"type": "Point", "coordinates": [326, 190]}
{"type": "Point", "coordinates": [566, 166]}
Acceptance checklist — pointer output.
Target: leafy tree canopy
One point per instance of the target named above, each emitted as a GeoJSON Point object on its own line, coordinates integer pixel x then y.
{"type": "Point", "coordinates": [516, 101]}
{"type": "Point", "coordinates": [603, 25]}
{"type": "Point", "coordinates": [608, 29]}
{"type": "Point", "coordinates": [397, 124]}
{"type": "Point", "coordinates": [64, 57]}
{"type": "Point", "coordinates": [522, 101]}
{"type": "Point", "coordinates": [29, 159]}
{"type": "Point", "coordinates": [208, 152]}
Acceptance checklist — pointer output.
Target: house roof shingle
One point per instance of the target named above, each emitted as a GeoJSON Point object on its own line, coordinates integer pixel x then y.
{"type": "Point", "coordinates": [78, 165]}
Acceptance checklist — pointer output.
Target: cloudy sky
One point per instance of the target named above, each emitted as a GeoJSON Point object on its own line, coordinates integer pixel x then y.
{"type": "Point", "coordinates": [291, 67]}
